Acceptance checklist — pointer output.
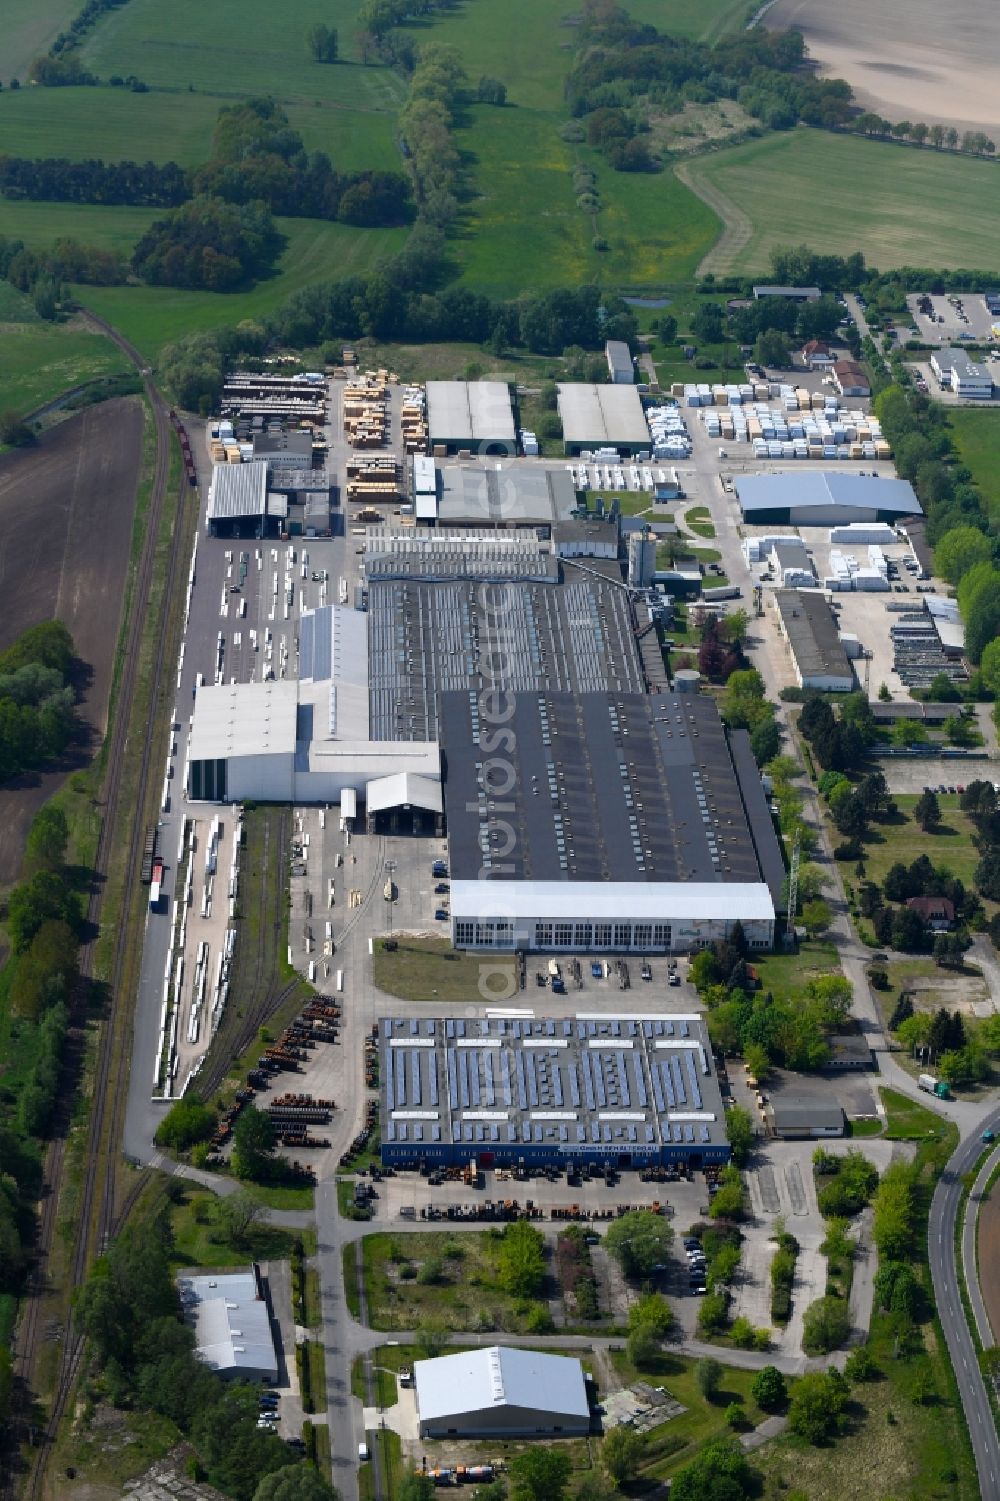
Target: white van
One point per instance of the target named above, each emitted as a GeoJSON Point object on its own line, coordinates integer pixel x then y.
{"type": "Point", "coordinates": [363, 1454]}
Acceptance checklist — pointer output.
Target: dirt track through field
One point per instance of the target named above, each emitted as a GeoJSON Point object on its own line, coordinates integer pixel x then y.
{"type": "Point", "coordinates": [737, 227]}
{"type": "Point", "coordinates": [66, 511]}
{"type": "Point", "coordinates": [907, 59]}
{"type": "Point", "coordinates": [988, 1249]}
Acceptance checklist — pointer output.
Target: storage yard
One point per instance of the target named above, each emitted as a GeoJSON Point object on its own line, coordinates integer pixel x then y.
{"type": "Point", "coordinates": [350, 674]}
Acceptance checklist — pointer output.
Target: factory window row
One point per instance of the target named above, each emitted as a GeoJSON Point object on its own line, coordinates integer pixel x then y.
{"type": "Point", "coordinates": [581, 937]}
{"type": "Point", "coordinates": [485, 935]}
{"type": "Point", "coordinates": [602, 935]}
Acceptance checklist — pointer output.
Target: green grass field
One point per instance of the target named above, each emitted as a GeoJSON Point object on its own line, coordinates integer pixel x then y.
{"type": "Point", "coordinates": [977, 438]}
{"type": "Point", "coordinates": [429, 969]}
{"type": "Point", "coordinates": [116, 124]}
{"type": "Point", "coordinates": [250, 49]}
{"type": "Point", "coordinates": [522, 195]}
{"type": "Point", "coordinates": [41, 360]}
{"type": "Point", "coordinates": [440, 1276]}
{"type": "Point", "coordinates": [530, 45]}
{"type": "Point", "coordinates": [950, 844]}
{"type": "Point", "coordinates": [786, 975]}
{"type": "Point", "coordinates": [153, 316]}
{"type": "Point", "coordinates": [842, 193]}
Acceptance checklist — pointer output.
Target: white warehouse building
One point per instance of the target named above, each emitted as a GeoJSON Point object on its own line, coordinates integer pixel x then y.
{"type": "Point", "coordinates": [501, 1393]}
{"type": "Point", "coordinates": [309, 740]}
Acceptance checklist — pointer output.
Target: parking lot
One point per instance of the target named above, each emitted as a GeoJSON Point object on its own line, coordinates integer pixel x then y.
{"type": "Point", "coordinates": [953, 319]}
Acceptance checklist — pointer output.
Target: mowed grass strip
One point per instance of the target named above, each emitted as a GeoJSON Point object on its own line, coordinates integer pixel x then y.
{"type": "Point", "coordinates": [113, 124]}
{"type": "Point", "coordinates": [429, 969]}
{"type": "Point", "coordinates": [108, 226]}
{"type": "Point", "coordinates": [840, 193]}
{"type": "Point", "coordinates": [41, 360]}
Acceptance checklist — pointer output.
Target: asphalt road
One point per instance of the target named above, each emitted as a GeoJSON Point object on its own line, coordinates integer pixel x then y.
{"type": "Point", "coordinates": [944, 1271]}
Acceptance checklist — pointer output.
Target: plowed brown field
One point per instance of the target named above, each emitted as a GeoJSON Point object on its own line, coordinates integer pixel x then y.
{"type": "Point", "coordinates": [66, 510]}
{"type": "Point", "coordinates": [907, 59]}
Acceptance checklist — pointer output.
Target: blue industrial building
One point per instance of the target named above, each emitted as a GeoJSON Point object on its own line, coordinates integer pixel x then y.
{"type": "Point", "coordinates": [599, 1089]}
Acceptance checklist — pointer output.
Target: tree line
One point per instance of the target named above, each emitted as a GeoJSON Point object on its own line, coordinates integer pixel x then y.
{"type": "Point", "coordinates": [955, 509]}
{"type": "Point", "coordinates": [42, 914]}
{"type": "Point", "coordinates": [397, 301]}
{"type": "Point", "coordinates": [625, 70]}
{"type": "Point", "coordinates": [43, 274]}
{"type": "Point", "coordinates": [37, 702]}
{"type": "Point", "coordinates": [56, 180]}
{"type": "Point", "coordinates": [257, 156]}
{"type": "Point", "coordinates": [940, 137]}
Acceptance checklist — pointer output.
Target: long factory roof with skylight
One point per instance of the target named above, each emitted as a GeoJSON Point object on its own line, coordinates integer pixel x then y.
{"type": "Point", "coordinates": [631, 1084]}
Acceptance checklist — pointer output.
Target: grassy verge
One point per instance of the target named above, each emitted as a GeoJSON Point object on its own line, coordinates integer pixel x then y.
{"type": "Point", "coordinates": [910, 1121]}
{"type": "Point", "coordinates": [429, 969]}
{"type": "Point", "coordinates": [324, 1454]}
{"type": "Point", "coordinates": [785, 975]}
{"type": "Point", "coordinates": [313, 1298]}
{"type": "Point", "coordinates": [352, 1287]}
{"type": "Point", "coordinates": [391, 1467]}
{"type": "Point", "coordinates": [699, 520]}
{"type": "Point", "coordinates": [315, 1356]}
{"type": "Point", "coordinates": [198, 1228]}
{"type": "Point", "coordinates": [385, 1391]}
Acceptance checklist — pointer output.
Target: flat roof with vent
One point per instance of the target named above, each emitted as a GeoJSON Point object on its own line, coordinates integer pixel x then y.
{"type": "Point", "coordinates": [592, 1085]}
{"type": "Point", "coordinates": [608, 788]}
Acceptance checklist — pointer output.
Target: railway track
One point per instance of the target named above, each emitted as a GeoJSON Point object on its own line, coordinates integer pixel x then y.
{"type": "Point", "coordinates": [264, 1000]}
{"type": "Point", "coordinates": [99, 1219]}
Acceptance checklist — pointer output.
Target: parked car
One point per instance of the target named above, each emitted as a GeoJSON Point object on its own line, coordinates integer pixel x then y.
{"type": "Point", "coordinates": [441, 914]}
{"type": "Point", "coordinates": [441, 888]}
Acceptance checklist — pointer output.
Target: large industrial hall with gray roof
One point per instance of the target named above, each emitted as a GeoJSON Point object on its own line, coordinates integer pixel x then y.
{"type": "Point", "coordinates": [629, 825]}
{"type": "Point", "coordinates": [631, 820]}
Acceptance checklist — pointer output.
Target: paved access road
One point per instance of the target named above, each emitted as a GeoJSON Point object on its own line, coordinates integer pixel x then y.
{"type": "Point", "coordinates": [944, 1271]}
